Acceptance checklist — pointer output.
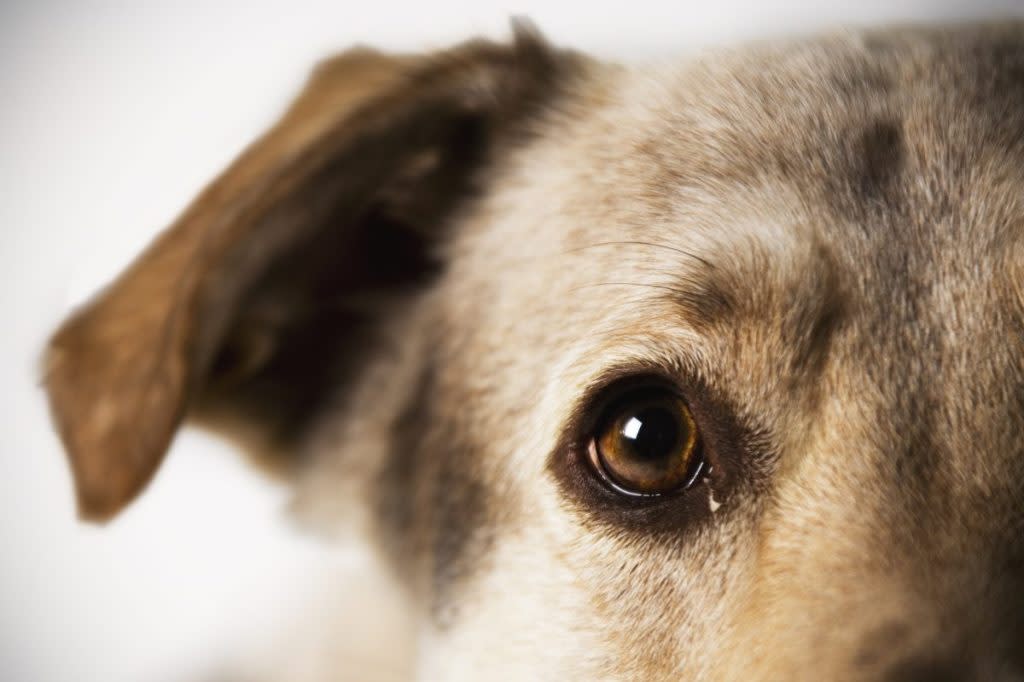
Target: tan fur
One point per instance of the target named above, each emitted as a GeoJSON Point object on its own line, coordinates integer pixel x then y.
{"type": "Point", "coordinates": [818, 241]}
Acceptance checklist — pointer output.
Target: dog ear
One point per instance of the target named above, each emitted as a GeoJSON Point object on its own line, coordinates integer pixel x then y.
{"type": "Point", "coordinates": [247, 311]}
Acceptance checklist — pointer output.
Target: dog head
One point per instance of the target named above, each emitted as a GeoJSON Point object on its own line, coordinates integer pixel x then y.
{"type": "Point", "coordinates": [711, 370]}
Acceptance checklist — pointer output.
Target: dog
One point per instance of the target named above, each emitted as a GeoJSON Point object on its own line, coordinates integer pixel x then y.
{"type": "Point", "coordinates": [707, 370]}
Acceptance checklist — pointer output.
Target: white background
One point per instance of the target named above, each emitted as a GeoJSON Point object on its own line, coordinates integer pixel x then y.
{"type": "Point", "coordinates": [112, 115]}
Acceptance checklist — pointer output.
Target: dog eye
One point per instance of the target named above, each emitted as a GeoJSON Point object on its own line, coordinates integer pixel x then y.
{"type": "Point", "coordinates": [647, 443]}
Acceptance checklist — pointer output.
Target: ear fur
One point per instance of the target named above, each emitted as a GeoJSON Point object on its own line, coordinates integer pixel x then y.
{"type": "Point", "coordinates": [222, 317]}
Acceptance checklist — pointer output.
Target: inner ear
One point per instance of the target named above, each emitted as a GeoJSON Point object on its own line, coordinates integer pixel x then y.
{"type": "Point", "coordinates": [307, 324]}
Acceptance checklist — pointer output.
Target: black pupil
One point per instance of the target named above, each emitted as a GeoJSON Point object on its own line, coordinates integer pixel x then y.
{"type": "Point", "coordinates": [652, 432]}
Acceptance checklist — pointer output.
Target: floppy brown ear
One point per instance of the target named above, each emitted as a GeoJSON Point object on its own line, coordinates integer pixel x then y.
{"type": "Point", "coordinates": [244, 312]}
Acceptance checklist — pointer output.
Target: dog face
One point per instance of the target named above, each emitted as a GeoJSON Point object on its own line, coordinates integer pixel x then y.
{"type": "Point", "coordinates": [710, 370]}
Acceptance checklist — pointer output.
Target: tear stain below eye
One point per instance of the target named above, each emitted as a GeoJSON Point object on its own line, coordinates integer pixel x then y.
{"type": "Point", "coordinates": [713, 504]}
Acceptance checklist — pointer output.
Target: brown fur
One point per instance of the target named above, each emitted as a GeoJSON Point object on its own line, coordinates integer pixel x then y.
{"type": "Point", "coordinates": [417, 287]}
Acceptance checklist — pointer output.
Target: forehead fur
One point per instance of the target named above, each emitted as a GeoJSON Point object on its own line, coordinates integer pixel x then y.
{"type": "Point", "coordinates": [818, 181]}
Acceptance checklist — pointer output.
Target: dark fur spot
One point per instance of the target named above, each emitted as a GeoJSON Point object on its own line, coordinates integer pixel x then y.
{"type": "Point", "coordinates": [879, 644]}
{"type": "Point", "coordinates": [935, 668]}
{"type": "Point", "coordinates": [862, 172]}
{"type": "Point", "coordinates": [403, 469]}
{"type": "Point", "coordinates": [881, 155]}
{"type": "Point", "coordinates": [817, 312]}
{"type": "Point", "coordinates": [705, 296]}
{"type": "Point", "coordinates": [433, 506]}
{"type": "Point", "coordinates": [463, 535]}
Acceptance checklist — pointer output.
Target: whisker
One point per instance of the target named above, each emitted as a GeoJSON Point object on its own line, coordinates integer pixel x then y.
{"type": "Point", "coordinates": [664, 287]}
{"type": "Point", "coordinates": [655, 245]}
{"type": "Point", "coordinates": [702, 304]}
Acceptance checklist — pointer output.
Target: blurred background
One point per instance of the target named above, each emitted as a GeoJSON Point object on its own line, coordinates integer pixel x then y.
{"type": "Point", "coordinates": [113, 115]}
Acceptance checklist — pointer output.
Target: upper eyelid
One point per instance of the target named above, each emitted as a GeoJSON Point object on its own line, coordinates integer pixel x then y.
{"type": "Point", "coordinates": [593, 398]}
{"type": "Point", "coordinates": [676, 352]}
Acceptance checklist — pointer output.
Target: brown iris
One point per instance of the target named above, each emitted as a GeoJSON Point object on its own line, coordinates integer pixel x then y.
{"type": "Point", "coordinates": [647, 444]}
